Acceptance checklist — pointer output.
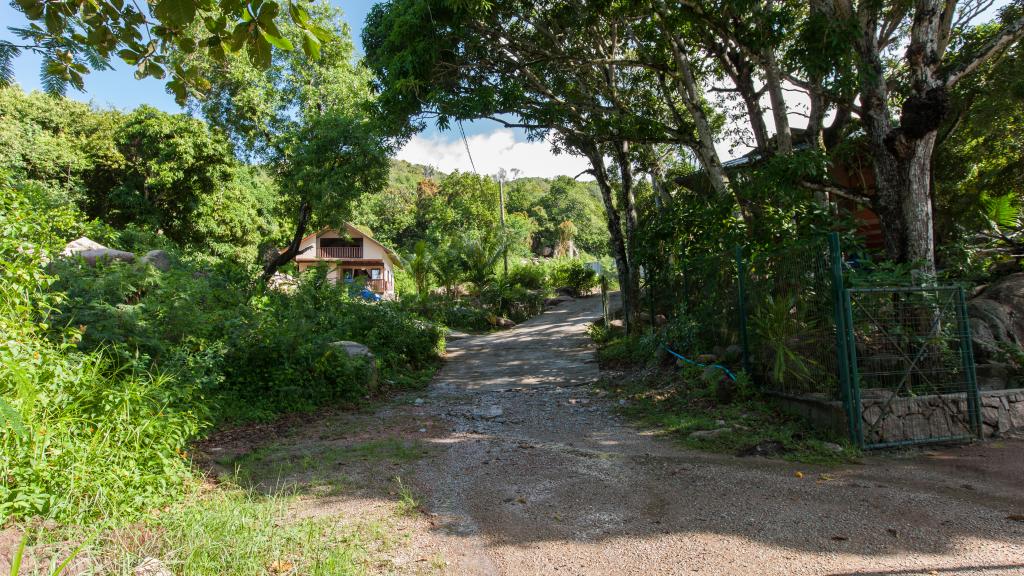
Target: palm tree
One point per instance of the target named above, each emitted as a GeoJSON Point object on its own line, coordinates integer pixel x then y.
{"type": "Point", "coordinates": [420, 263]}
{"type": "Point", "coordinates": [479, 256]}
{"type": "Point", "coordinates": [447, 267]}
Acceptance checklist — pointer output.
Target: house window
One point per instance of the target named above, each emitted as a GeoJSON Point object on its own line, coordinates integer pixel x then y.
{"type": "Point", "coordinates": [375, 274]}
{"type": "Point", "coordinates": [341, 242]}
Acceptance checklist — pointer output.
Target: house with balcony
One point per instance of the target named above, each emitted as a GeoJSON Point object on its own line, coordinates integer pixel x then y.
{"type": "Point", "coordinates": [350, 256]}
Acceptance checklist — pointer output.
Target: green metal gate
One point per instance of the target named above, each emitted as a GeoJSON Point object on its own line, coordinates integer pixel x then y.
{"type": "Point", "coordinates": [910, 367]}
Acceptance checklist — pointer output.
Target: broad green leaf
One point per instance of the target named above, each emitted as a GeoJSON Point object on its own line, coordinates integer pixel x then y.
{"type": "Point", "coordinates": [259, 52]}
{"type": "Point", "coordinates": [10, 419]}
{"type": "Point", "coordinates": [299, 14]}
{"type": "Point", "coordinates": [310, 45]}
{"type": "Point", "coordinates": [277, 41]}
{"type": "Point", "coordinates": [323, 34]}
{"type": "Point", "coordinates": [175, 13]}
{"type": "Point", "coordinates": [238, 36]}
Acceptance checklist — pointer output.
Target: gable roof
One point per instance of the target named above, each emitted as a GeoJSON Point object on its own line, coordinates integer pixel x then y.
{"type": "Point", "coordinates": [352, 229]}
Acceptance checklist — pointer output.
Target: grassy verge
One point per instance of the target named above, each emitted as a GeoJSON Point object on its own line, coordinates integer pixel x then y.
{"type": "Point", "coordinates": [228, 531]}
{"type": "Point", "coordinates": [284, 505]}
{"type": "Point", "coordinates": [707, 413]}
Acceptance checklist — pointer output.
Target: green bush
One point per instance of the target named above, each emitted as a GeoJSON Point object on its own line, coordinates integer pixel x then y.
{"type": "Point", "coordinates": [512, 301]}
{"type": "Point", "coordinates": [285, 361]}
{"type": "Point", "coordinates": [529, 276]}
{"type": "Point", "coordinates": [80, 436]}
{"type": "Point", "coordinates": [681, 332]}
{"type": "Point", "coordinates": [107, 373]}
{"type": "Point", "coordinates": [574, 275]}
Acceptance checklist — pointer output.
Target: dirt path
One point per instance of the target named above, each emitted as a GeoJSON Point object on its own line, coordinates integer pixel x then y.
{"type": "Point", "coordinates": [534, 475]}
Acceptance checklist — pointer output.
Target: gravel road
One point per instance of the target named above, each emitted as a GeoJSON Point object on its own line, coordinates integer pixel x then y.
{"type": "Point", "coordinates": [538, 476]}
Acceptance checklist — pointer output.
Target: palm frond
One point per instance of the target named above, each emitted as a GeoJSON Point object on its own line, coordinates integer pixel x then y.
{"type": "Point", "coordinates": [8, 52]}
{"type": "Point", "coordinates": [1002, 211]}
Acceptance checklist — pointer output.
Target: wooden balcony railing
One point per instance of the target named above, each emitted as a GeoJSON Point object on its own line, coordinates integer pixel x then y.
{"type": "Point", "coordinates": [341, 252]}
{"type": "Point", "coordinates": [379, 286]}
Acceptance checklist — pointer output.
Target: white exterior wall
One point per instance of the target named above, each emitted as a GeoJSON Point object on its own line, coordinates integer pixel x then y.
{"type": "Point", "coordinates": [371, 251]}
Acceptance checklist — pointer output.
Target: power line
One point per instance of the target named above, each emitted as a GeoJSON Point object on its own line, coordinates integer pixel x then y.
{"type": "Point", "coordinates": [465, 142]}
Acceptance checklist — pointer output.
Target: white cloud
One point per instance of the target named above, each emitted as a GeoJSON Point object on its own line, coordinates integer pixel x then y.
{"type": "Point", "coordinates": [491, 151]}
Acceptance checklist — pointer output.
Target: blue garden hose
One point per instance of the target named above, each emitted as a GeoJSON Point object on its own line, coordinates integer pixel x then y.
{"type": "Point", "coordinates": [688, 361]}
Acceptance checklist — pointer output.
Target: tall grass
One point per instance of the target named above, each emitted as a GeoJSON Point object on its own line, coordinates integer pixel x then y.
{"type": "Point", "coordinates": [107, 373]}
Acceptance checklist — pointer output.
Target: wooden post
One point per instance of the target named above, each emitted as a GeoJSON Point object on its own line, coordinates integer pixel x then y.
{"type": "Point", "coordinates": [501, 207]}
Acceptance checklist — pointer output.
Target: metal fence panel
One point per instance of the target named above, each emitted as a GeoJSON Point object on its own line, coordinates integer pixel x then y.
{"type": "Point", "coordinates": [912, 368]}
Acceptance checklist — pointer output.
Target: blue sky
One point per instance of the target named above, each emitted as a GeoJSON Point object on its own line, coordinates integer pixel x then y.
{"type": "Point", "coordinates": [492, 146]}
{"type": "Point", "coordinates": [119, 87]}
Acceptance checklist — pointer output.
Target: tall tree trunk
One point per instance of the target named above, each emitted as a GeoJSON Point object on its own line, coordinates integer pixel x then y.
{"type": "Point", "coordinates": [902, 155]}
{"type": "Point", "coordinates": [628, 206]}
{"type": "Point", "coordinates": [780, 112]}
{"type": "Point", "coordinates": [691, 96]}
{"type": "Point", "coordinates": [917, 205]}
{"type": "Point", "coordinates": [618, 244]}
{"type": "Point", "coordinates": [289, 253]}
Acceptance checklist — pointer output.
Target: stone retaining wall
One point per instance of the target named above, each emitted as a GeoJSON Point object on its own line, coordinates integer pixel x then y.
{"type": "Point", "coordinates": [915, 418]}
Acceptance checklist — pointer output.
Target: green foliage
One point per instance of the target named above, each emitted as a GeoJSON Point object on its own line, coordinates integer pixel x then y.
{"type": "Point", "coordinates": [167, 176]}
{"type": "Point", "coordinates": [778, 325]}
{"type": "Point", "coordinates": [239, 533]}
{"type": "Point", "coordinates": [333, 160]}
{"type": "Point", "coordinates": [679, 402]}
{"type": "Point", "coordinates": [74, 41]}
{"type": "Point", "coordinates": [529, 276]}
{"type": "Point", "coordinates": [682, 332]}
{"type": "Point", "coordinates": [574, 275]}
{"type": "Point", "coordinates": [95, 438]}
{"type": "Point", "coordinates": [479, 256]}
{"type": "Point", "coordinates": [108, 372]}
{"type": "Point", "coordinates": [420, 265]}
{"type": "Point", "coordinates": [258, 107]}
{"type": "Point", "coordinates": [628, 351]}
{"type": "Point", "coordinates": [577, 203]}
{"type": "Point", "coordinates": [286, 362]}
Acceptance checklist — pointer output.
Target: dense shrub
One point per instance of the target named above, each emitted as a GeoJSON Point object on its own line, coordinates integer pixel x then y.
{"type": "Point", "coordinates": [108, 372]}
{"type": "Point", "coordinates": [80, 436]}
{"type": "Point", "coordinates": [285, 361]}
{"type": "Point", "coordinates": [574, 275]}
{"type": "Point", "coordinates": [529, 276]}
{"type": "Point", "coordinates": [516, 302]}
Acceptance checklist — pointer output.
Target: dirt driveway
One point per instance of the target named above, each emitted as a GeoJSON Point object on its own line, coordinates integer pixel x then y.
{"type": "Point", "coordinates": [535, 475]}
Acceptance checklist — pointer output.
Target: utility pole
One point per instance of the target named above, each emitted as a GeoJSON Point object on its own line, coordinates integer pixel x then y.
{"type": "Point", "coordinates": [501, 215]}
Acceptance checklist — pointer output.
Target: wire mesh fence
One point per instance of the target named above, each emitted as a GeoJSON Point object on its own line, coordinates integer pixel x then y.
{"type": "Point", "coordinates": [791, 321]}
{"type": "Point", "coordinates": [701, 302]}
{"type": "Point", "coordinates": [899, 359]}
{"type": "Point", "coordinates": [912, 370]}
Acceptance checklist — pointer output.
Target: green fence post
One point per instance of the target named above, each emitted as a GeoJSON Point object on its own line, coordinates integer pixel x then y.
{"type": "Point", "coordinates": [741, 291]}
{"type": "Point", "coordinates": [839, 316]}
{"type": "Point", "coordinates": [967, 354]}
{"type": "Point", "coordinates": [851, 358]}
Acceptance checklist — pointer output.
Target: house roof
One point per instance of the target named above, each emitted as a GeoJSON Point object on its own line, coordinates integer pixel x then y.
{"type": "Point", "coordinates": [352, 229]}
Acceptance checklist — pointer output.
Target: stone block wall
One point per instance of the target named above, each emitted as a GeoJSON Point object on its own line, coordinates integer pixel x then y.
{"type": "Point", "coordinates": [915, 418]}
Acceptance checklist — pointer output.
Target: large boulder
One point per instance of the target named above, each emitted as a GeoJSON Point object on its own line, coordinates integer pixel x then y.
{"type": "Point", "coordinates": [550, 302]}
{"type": "Point", "coordinates": [500, 322]}
{"type": "Point", "coordinates": [92, 252]}
{"type": "Point", "coordinates": [106, 255]}
{"type": "Point", "coordinates": [997, 317]}
{"type": "Point", "coordinates": [357, 350]}
{"type": "Point", "coordinates": [81, 245]}
{"type": "Point", "coordinates": [158, 259]}
{"type": "Point", "coordinates": [352, 349]}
